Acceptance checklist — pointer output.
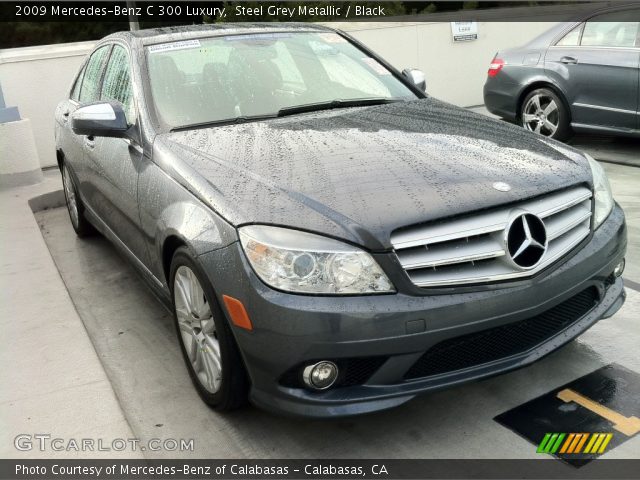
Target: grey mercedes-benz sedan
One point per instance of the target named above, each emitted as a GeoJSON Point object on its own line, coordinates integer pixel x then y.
{"type": "Point", "coordinates": [331, 240]}
{"type": "Point", "coordinates": [577, 77]}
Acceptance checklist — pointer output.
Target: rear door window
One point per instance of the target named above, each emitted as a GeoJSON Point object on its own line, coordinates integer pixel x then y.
{"type": "Point", "coordinates": [602, 31]}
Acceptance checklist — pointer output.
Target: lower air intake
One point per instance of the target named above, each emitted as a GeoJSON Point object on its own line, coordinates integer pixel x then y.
{"type": "Point", "coordinates": [501, 342]}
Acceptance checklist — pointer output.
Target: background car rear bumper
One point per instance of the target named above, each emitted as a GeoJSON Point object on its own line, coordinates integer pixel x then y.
{"type": "Point", "coordinates": [293, 330]}
{"type": "Point", "coordinates": [501, 97]}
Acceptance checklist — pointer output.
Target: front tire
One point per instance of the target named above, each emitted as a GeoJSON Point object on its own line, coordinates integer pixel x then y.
{"type": "Point", "coordinates": [542, 111]}
{"type": "Point", "coordinates": [75, 208]}
{"type": "Point", "coordinates": [207, 343]}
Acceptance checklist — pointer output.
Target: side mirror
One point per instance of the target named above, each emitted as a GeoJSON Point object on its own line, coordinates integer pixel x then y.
{"type": "Point", "coordinates": [416, 77]}
{"type": "Point", "coordinates": [103, 119]}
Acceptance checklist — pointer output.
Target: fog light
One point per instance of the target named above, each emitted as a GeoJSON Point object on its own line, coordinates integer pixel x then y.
{"type": "Point", "coordinates": [320, 375]}
{"type": "Point", "coordinates": [619, 268]}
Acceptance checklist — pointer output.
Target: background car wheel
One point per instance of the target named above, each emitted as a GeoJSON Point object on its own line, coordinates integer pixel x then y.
{"type": "Point", "coordinates": [76, 210]}
{"type": "Point", "coordinates": [543, 111]}
{"type": "Point", "coordinates": [208, 347]}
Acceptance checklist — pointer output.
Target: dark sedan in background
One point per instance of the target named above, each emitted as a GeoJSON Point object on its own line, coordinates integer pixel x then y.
{"type": "Point", "coordinates": [576, 77]}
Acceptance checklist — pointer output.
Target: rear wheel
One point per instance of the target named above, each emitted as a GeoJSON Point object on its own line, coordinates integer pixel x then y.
{"type": "Point", "coordinates": [79, 223]}
{"type": "Point", "coordinates": [544, 112]}
{"type": "Point", "coordinates": [206, 340]}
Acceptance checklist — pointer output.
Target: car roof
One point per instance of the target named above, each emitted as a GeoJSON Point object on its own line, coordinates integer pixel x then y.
{"type": "Point", "coordinates": [544, 39]}
{"type": "Point", "coordinates": [185, 32]}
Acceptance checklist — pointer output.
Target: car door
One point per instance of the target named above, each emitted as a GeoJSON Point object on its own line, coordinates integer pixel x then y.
{"type": "Point", "coordinates": [67, 142]}
{"type": "Point", "coordinates": [113, 163]}
{"type": "Point", "coordinates": [83, 90]}
{"type": "Point", "coordinates": [596, 66]}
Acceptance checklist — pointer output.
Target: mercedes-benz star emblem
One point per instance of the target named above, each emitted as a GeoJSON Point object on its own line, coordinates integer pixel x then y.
{"type": "Point", "coordinates": [501, 186]}
{"type": "Point", "coordinates": [526, 239]}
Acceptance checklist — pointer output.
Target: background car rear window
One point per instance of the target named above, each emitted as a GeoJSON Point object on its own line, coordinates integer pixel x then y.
{"type": "Point", "coordinates": [571, 39]}
{"type": "Point", "coordinates": [602, 32]}
{"type": "Point", "coordinates": [92, 74]}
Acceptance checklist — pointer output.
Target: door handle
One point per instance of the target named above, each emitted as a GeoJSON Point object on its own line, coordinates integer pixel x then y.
{"type": "Point", "coordinates": [89, 141]}
{"type": "Point", "coordinates": [569, 60]}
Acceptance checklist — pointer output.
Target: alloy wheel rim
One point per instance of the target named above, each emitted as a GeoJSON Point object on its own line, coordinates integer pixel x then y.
{"type": "Point", "coordinates": [197, 329]}
{"type": "Point", "coordinates": [541, 115]}
{"type": "Point", "coordinates": [70, 193]}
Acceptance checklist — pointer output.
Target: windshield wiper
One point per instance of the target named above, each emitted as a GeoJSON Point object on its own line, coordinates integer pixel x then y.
{"type": "Point", "coordinates": [225, 121]}
{"type": "Point", "coordinates": [283, 112]}
{"type": "Point", "coordinates": [337, 103]}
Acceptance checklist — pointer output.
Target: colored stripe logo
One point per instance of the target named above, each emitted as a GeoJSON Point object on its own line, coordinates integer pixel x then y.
{"type": "Point", "coordinates": [573, 443]}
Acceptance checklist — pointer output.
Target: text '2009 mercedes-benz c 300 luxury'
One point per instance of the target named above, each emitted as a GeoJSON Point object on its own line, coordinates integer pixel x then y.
{"type": "Point", "coordinates": [332, 241]}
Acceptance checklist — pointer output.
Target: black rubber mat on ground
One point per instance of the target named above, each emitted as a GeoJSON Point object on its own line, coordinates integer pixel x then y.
{"type": "Point", "coordinates": [583, 419]}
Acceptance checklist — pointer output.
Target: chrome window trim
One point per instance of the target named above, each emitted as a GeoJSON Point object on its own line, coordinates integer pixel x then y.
{"type": "Point", "coordinates": [592, 47]}
{"type": "Point", "coordinates": [608, 109]}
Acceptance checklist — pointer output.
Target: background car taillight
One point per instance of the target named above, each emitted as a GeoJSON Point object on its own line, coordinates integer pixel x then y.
{"type": "Point", "coordinates": [495, 67]}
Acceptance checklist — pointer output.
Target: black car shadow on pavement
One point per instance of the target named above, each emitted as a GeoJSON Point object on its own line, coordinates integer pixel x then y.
{"type": "Point", "coordinates": [621, 150]}
{"type": "Point", "coordinates": [605, 148]}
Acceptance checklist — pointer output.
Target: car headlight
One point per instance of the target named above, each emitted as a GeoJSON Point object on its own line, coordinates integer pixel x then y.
{"type": "Point", "coordinates": [602, 190]}
{"type": "Point", "coordinates": [302, 262]}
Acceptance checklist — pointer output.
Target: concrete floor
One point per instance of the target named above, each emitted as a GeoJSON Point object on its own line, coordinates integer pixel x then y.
{"type": "Point", "coordinates": [624, 151]}
{"type": "Point", "coordinates": [134, 338]}
{"type": "Point", "coordinates": [52, 380]}
{"type": "Point", "coordinates": [620, 150]}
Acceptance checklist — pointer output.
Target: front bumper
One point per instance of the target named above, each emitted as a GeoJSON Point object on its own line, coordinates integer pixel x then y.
{"type": "Point", "coordinates": [291, 330]}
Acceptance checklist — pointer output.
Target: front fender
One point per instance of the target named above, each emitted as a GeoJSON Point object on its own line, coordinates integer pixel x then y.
{"type": "Point", "coordinates": [170, 212]}
{"type": "Point", "coordinates": [195, 225]}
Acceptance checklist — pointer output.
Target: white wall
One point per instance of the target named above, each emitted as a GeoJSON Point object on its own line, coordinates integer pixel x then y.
{"type": "Point", "coordinates": [35, 79]}
{"type": "Point", "coordinates": [455, 71]}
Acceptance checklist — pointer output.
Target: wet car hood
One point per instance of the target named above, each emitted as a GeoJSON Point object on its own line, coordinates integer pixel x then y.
{"type": "Point", "coordinates": [360, 173]}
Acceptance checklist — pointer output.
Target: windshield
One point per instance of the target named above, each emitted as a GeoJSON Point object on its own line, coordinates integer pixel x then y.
{"type": "Point", "coordinates": [226, 78]}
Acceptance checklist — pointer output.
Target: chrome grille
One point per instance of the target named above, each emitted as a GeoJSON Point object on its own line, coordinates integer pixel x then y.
{"type": "Point", "coordinates": [472, 249]}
